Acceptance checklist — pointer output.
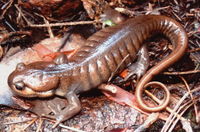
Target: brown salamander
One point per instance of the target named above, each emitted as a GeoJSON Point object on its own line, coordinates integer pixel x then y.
{"type": "Point", "coordinates": [94, 63]}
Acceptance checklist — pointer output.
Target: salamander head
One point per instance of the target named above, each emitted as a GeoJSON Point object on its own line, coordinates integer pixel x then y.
{"type": "Point", "coordinates": [33, 80]}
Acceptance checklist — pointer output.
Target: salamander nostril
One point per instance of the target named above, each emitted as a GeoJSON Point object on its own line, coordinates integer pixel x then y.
{"type": "Point", "coordinates": [19, 85]}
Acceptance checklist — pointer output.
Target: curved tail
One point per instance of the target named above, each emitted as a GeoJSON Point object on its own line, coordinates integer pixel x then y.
{"type": "Point", "coordinates": [178, 37]}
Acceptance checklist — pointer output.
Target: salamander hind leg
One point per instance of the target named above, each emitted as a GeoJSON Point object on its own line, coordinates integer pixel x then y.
{"type": "Point", "coordinates": [140, 66]}
{"type": "Point", "coordinates": [73, 107]}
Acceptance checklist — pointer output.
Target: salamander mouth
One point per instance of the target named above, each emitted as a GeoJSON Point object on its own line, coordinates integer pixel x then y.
{"type": "Point", "coordinates": [45, 94]}
{"type": "Point", "coordinates": [30, 93]}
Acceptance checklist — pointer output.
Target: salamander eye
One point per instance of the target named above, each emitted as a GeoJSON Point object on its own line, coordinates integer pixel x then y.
{"type": "Point", "coordinates": [19, 85]}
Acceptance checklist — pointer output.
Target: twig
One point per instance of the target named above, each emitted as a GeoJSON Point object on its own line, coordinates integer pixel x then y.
{"type": "Point", "coordinates": [64, 24]}
{"type": "Point", "coordinates": [16, 122]}
{"type": "Point", "coordinates": [194, 50]}
{"type": "Point", "coordinates": [162, 8]}
{"type": "Point", "coordinates": [159, 102]}
{"type": "Point", "coordinates": [150, 9]}
{"type": "Point", "coordinates": [5, 10]}
{"type": "Point", "coordinates": [178, 118]}
{"type": "Point", "coordinates": [177, 16]}
{"type": "Point", "coordinates": [176, 107]}
{"type": "Point", "coordinates": [30, 123]}
{"type": "Point", "coordinates": [168, 122]}
{"type": "Point", "coordinates": [40, 125]}
{"type": "Point", "coordinates": [191, 96]}
{"type": "Point", "coordinates": [181, 73]}
{"type": "Point", "coordinates": [113, 73]}
{"type": "Point", "coordinates": [22, 14]}
{"type": "Point", "coordinates": [55, 24]}
{"type": "Point", "coordinates": [173, 113]}
{"type": "Point", "coordinates": [174, 117]}
{"type": "Point", "coordinates": [150, 120]}
{"type": "Point", "coordinates": [48, 28]}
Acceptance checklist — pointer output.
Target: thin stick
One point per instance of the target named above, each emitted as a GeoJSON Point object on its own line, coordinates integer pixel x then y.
{"type": "Point", "coordinates": [48, 28]}
{"type": "Point", "coordinates": [173, 117]}
{"type": "Point", "coordinates": [40, 125]}
{"type": "Point", "coordinates": [55, 24]}
{"type": "Point", "coordinates": [194, 50]}
{"type": "Point", "coordinates": [178, 118]}
{"type": "Point", "coordinates": [182, 73]}
{"type": "Point", "coordinates": [16, 122]}
{"type": "Point", "coordinates": [113, 73]}
{"type": "Point", "coordinates": [177, 106]}
{"type": "Point", "coordinates": [191, 96]}
{"type": "Point", "coordinates": [150, 120]}
{"type": "Point", "coordinates": [159, 102]}
{"type": "Point", "coordinates": [64, 24]}
{"type": "Point", "coordinates": [5, 10]}
{"type": "Point", "coordinates": [30, 123]}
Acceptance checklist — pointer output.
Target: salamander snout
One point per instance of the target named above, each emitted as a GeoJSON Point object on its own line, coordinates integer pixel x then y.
{"type": "Point", "coordinates": [33, 80]}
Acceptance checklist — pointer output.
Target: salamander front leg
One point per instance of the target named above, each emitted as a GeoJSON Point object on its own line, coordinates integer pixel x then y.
{"type": "Point", "coordinates": [141, 65]}
{"type": "Point", "coordinates": [73, 107]}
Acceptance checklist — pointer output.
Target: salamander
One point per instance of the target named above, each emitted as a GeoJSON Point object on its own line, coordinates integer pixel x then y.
{"type": "Point", "coordinates": [103, 54]}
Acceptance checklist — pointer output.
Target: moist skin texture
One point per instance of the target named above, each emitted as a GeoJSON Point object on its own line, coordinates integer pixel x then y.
{"type": "Point", "coordinates": [94, 63]}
